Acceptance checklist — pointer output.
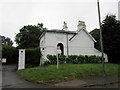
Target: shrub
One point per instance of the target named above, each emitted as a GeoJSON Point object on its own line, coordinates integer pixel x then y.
{"type": "Point", "coordinates": [93, 59]}
{"type": "Point", "coordinates": [62, 59]}
{"type": "Point", "coordinates": [81, 59]}
{"type": "Point", "coordinates": [52, 58]}
{"type": "Point", "coordinates": [47, 63]}
{"type": "Point", "coordinates": [72, 59]}
{"type": "Point", "coordinates": [32, 57]}
{"type": "Point", "coordinates": [75, 59]}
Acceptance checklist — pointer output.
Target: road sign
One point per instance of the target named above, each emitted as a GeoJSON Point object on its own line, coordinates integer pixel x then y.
{"type": "Point", "coordinates": [58, 51]}
{"type": "Point", "coordinates": [58, 47]}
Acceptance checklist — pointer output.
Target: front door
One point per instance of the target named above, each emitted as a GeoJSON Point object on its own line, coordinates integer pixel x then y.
{"type": "Point", "coordinates": [61, 48]}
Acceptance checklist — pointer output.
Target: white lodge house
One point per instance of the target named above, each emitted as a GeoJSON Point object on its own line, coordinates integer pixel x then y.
{"type": "Point", "coordinates": [78, 42]}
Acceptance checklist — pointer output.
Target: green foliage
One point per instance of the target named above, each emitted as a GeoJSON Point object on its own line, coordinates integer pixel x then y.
{"type": "Point", "coordinates": [44, 73]}
{"type": "Point", "coordinates": [6, 41]}
{"type": "Point", "coordinates": [95, 59]}
{"type": "Point", "coordinates": [28, 37]}
{"type": "Point", "coordinates": [111, 37]}
{"type": "Point", "coordinates": [81, 59]}
{"type": "Point", "coordinates": [52, 58]}
{"type": "Point", "coordinates": [32, 57]}
{"type": "Point", "coordinates": [72, 59]}
{"type": "Point", "coordinates": [96, 34]}
{"type": "Point", "coordinates": [47, 63]}
{"type": "Point", "coordinates": [10, 53]}
{"type": "Point", "coordinates": [75, 59]}
{"type": "Point", "coordinates": [61, 59]}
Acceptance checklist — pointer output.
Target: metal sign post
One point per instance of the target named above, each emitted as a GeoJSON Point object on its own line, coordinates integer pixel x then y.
{"type": "Point", "coordinates": [58, 52]}
{"type": "Point", "coordinates": [57, 61]}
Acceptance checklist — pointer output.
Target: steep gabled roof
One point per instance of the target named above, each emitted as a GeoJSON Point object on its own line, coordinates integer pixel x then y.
{"type": "Point", "coordinates": [75, 35]}
{"type": "Point", "coordinates": [43, 33]}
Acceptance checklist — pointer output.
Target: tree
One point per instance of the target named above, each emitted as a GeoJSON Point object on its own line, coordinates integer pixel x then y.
{"type": "Point", "coordinates": [111, 37]}
{"type": "Point", "coordinates": [28, 37]}
{"type": "Point", "coordinates": [6, 41]}
{"type": "Point", "coordinates": [96, 34]}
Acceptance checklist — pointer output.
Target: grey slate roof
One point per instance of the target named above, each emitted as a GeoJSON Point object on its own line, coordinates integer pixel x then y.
{"type": "Point", "coordinates": [68, 32]}
{"type": "Point", "coordinates": [58, 31]}
{"type": "Point", "coordinates": [61, 31]}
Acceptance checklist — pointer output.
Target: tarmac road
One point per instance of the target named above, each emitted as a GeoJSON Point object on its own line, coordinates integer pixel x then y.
{"type": "Point", "coordinates": [10, 79]}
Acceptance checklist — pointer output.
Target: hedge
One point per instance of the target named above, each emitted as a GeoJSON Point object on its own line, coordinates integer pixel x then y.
{"type": "Point", "coordinates": [32, 57]}
{"type": "Point", "coordinates": [10, 53]}
{"type": "Point", "coordinates": [75, 59]}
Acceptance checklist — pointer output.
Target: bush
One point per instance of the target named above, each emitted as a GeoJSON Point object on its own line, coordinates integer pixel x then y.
{"type": "Point", "coordinates": [72, 59]}
{"type": "Point", "coordinates": [75, 59]}
{"type": "Point", "coordinates": [52, 58]}
{"type": "Point", "coordinates": [32, 57]}
{"type": "Point", "coordinates": [47, 63]}
{"type": "Point", "coordinates": [81, 59]}
{"type": "Point", "coordinates": [62, 59]}
{"type": "Point", "coordinates": [93, 59]}
{"type": "Point", "coordinates": [10, 53]}
{"type": "Point", "coordinates": [87, 59]}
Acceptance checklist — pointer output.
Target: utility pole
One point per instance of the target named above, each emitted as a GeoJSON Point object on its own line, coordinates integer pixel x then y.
{"type": "Point", "coordinates": [101, 41]}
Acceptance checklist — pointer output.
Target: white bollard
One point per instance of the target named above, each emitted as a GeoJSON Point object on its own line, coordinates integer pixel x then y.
{"type": "Point", "coordinates": [21, 64]}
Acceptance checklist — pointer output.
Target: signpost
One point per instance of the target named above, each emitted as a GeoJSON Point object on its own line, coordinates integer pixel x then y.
{"type": "Point", "coordinates": [58, 52]}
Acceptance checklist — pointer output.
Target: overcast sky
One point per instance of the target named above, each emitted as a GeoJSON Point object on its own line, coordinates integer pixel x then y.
{"type": "Point", "coordinates": [14, 14]}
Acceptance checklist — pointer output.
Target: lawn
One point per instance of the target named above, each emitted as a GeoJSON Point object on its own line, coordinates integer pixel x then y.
{"type": "Point", "coordinates": [44, 73]}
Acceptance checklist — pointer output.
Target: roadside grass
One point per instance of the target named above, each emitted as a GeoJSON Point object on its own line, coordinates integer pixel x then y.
{"type": "Point", "coordinates": [46, 73]}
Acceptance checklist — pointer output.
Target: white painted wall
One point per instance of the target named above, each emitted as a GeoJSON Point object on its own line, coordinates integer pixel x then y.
{"type": "Point", "coordinates": [82, 44]}
{"type": "Point", "coordinates": [82, 40]}
{"type": "Point", "coordinates": [51, 40]}
{"type": "Point", "coordinates": [21, 64]}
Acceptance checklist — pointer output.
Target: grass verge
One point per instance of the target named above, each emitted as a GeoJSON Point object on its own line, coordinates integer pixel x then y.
{"type": "Point", "coordinates": [46, 73]}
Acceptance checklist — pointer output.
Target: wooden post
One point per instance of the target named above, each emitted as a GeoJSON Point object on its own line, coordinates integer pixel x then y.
{"type": "Point", "coordinates": [101, 41]}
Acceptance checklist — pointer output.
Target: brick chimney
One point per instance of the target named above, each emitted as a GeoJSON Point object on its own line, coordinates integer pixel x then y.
{"type": "Point", "coordinates": [65, 26]}
{"type": "Point", "coordinates": [81, 25]}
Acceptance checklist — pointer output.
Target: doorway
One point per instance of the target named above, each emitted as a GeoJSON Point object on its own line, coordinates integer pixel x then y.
{"type": "Point", "coordinates": [61, 48]}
